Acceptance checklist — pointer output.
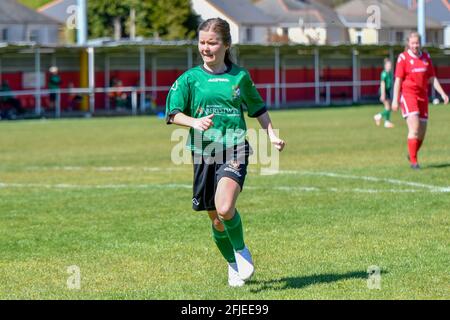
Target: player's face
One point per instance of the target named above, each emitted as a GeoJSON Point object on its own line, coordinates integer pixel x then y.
{"type": "Point", "coordinates": [414, 45]}
{"type": "Point", "coordinates": [211, 48]}
{"type": "Point", "coordinates": [388, 66]}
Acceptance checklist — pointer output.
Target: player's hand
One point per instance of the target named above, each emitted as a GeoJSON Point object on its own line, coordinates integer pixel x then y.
{"type": "Point", "coordinates": [395, 105]}
{"type": "Point", "coordinates": [383, 98]}
{"type": "Point", "coordinates": [445, 98]}
{"type": "Point", "coordinates": [277, 143]}
{"type": "Point", "coordinates": [204, 123]}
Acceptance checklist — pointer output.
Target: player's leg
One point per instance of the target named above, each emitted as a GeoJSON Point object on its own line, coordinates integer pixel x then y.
{"type": "Point", "coordinates": [227, 193]}
{"type": "Point", "coordinates": [226, 249]}
{"type": "Point", "coordinates": [423, 118]}
{"type": "Point", "coordinates": [411, 112]}
{"type": "Point", "coordinates": [422, 131]}
{"type": "Point", "coordinates": [379, 115]}
{"type": "Point", "coordinates": [203, 199]}
{"type": "Point", "coordinates": [413, 123]}
{"type": "Point", "coordinates": [225, 199]}
{"type": "Point", "coordinates": [387, 114]}
{"type": "Point", "coordinates": [377, 118]}
{"type": "Point", "coordinates": [221, 238]}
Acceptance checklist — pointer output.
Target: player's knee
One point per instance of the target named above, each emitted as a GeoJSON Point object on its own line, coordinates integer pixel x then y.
{"type": "Point", "coordinates": [225, 211]}
{"type": "Point", "coordinates": [413, 134]}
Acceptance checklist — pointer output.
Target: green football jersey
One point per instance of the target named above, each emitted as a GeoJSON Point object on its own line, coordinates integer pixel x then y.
{"type": "Point", "coordinates": [199, 93]}
{"type": "Point", "coordinates": [54, 81]}
{"type": "Point", "coordinates": [388, 79]}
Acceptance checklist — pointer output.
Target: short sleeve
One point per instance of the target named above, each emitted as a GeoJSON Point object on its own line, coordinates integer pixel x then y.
{"type": "Point", "coordinates": [383, 76]}
{"type": "Point", "coordinates": [251, 97]}
{"type": "Point", "coordinates": [400, 67]}
{"type": "Point", "coordinates": [178, 97]}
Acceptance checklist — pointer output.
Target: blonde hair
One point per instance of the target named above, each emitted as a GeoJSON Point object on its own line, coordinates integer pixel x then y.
{"type": "Point", "coordinates": [413, 34]}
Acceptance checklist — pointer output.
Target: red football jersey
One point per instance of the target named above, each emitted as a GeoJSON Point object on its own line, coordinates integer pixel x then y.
{"type": "Point", "coordinates": [415, 71]}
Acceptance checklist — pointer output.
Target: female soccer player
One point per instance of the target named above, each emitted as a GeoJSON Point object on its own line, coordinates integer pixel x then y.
{"type": "Point", "coordinates": [413, 73]}
{"type": "Point", "coordinates": [208, 99]}
{"type": "Point", "coordinates": [385, 95]}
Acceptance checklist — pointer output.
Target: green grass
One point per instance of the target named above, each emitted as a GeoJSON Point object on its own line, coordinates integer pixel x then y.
{"type": "Point", "coordinates": [132, 232]}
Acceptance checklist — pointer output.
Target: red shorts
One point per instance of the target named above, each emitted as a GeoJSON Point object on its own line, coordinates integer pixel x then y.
{"type": "Point", "coordinates": [412, 104]}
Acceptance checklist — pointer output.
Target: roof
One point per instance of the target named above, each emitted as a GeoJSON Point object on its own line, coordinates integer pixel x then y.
{"type": "Point", "coordinates": [58, 9]}
{"type": "Point", "coordinates": [392, 15]}
{"type": "Point", "coordinates": [438, 10]}
{"type": "Point", "coordinates": [242, 12]}
{"type": "Point", "coordinates": [12, 12]}
{"type": "Point", "coordinates": [307, 12]}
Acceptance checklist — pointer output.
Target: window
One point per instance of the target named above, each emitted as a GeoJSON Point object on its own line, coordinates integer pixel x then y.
{"type": "Point", "coordinates": [399, 36]}
{"type": "Point", "coordinates": [34, 35]}
{"type": "Point", "coordinates": [4, 36]}
{"type": "Point", "coordinates": [358, 36]}
{"type": "Point", "coordinates": [433, 37]}
{"type": "Point", "coordinates": [248, 34]}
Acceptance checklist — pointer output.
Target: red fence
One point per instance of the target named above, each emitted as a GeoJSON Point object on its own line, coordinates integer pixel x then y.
{"type": "Point", "coordinates": [259, 76]}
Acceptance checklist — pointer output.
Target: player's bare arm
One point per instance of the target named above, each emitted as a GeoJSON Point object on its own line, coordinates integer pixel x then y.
{"type": "Point", "coordinates": [439, 89]}
{"type": "Point", "coordinates": [201, 124]}
{"type": "Point", "coordinates": [395, 99]}
{"type": "Point", "coordinates": [266, 123]}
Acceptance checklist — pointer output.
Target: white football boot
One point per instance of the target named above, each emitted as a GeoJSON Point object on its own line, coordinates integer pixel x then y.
{"type": "Point", "coordinates": [244, 263]}
{"type": "Point", "coordinates": [388, 124]}
{"type": "Point", "coordinates": [377, 119]}
{"type": "Point", "coordinates": [233, 276]}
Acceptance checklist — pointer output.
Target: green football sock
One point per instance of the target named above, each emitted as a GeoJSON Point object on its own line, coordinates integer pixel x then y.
{"type": "Point", "coordinates": [223, 243]}
{"type": "Point", "coordinates": [386, 115]}
{"type": "Point", "coordinates": [235, 232]}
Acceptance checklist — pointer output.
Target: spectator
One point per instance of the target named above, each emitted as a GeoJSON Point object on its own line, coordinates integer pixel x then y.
{"type": "Point", "coordinates": [119, 98]}
{"type": "Point", "coordinates": [9, 105]}
{"type": "Point", "coordinates": [74, 98]}
{"type": "Point", "coordinates": [54, 83]}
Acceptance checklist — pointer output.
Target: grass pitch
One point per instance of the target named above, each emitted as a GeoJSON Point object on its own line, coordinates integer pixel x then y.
{"type": "Point", "coordinates": [103, 195]}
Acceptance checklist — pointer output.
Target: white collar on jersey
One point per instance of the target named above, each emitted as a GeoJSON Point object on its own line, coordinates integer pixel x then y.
{"type": "Point", "coordinates": [413, 55]}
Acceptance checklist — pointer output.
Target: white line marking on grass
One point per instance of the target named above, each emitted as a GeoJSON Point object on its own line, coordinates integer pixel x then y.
{"type": "Point", "coordinates": [103, 169]}
{"type": "Point", "coordinates": [431, 188]}
{"type": "Point", "coordinates": [372, 179]}
{"type": "Point", "coordinates": [100, 186]}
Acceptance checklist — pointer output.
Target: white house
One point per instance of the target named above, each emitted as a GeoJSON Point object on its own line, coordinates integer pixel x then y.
{"type": "Point", "coordinates": [304, 21]}
{"type": "Point", "coordinates": [21, 24]}
{"type": "Point", "coordinates": [248, 24]}
{"type": "Point", "coordinates": [378, 22]}
{"type": "Point", "coordinates": [438, 10]}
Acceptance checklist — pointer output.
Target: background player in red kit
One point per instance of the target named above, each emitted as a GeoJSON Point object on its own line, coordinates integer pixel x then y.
{"type": "Point", "coordinates": [413, 73]}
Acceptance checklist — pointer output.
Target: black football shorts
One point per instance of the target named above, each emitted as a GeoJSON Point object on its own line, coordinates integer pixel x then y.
{"type": "Point", "coordinates": [231, 163]}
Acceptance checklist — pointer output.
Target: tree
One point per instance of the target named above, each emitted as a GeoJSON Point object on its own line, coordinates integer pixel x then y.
{"type": "Point", "coordinates": [165, 19]}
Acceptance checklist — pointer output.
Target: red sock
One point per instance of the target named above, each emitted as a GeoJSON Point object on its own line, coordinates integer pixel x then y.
{"type": "Point", "coordinates": [413, 147]}
{"type": "Point", "coordinates": [420, 145]}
